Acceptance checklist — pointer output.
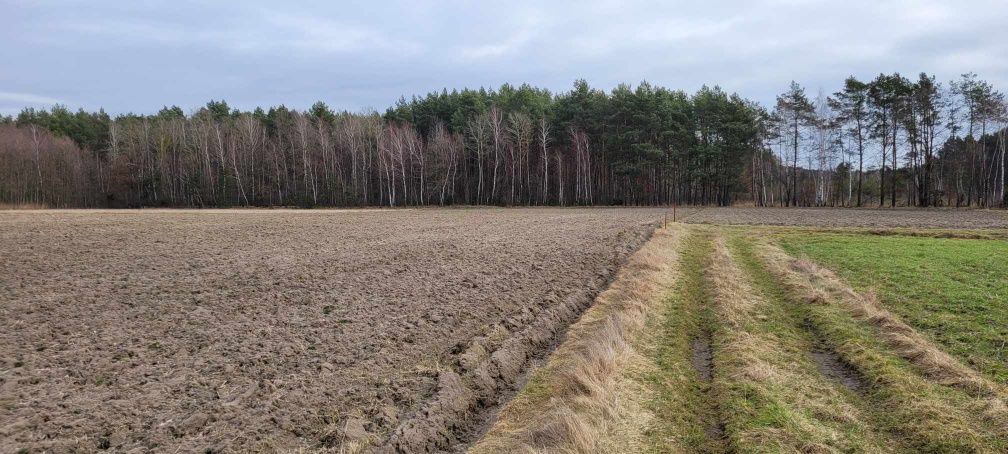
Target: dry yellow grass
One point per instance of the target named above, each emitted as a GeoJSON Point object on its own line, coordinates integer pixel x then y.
{"type": "Point", "coordinates": [584, 400]}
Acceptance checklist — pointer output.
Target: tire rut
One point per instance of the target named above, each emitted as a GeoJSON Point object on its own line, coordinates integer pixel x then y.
{"type": "Point", "coordinates": [703, 358]}
{"type": "Point", "coordinates": [713, 424]}
{"type": "Point", "coordinates": [805, 344]}
{"type": "Point", "coordinates": [831, 364]}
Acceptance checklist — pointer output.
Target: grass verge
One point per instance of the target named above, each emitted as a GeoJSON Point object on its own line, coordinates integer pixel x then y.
{"type": "Point", "coordinates": [586, 398]}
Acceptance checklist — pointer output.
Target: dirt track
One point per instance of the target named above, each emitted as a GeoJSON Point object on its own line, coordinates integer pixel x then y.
{"type": "Point", "coordinates": [944, 218]}
{"type": "Point", "coordinates": [263, 330]}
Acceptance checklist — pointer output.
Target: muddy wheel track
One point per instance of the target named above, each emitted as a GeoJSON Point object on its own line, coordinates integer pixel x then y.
{"type": "Point", "coordinates": [831, 364]}
{"type": "Point", "coordinates": [703, 356]}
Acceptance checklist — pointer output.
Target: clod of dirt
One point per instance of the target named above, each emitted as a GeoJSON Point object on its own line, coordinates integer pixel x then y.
{"type": "Point", "coordinates": [354, 429]}
{"type": "Point", "coordinates": [194, 423]}
{"type": "Point", "coordinates": [390, 414]}
{"type": "Point", "coordinates": [432, 429]}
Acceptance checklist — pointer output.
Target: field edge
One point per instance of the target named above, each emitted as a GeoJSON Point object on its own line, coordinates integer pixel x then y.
{"type": "Point", "coordinates": [582, 398]}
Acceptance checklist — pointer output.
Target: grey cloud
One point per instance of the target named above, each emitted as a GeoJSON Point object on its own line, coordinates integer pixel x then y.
{"type": "Point", "coordinates": [353, 55]}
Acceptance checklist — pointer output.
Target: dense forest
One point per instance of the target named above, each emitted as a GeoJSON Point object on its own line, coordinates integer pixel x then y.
{"type": "Point", "coordinates": [891, 141]}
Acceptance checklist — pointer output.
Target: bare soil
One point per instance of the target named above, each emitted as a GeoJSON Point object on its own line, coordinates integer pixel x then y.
{"type": "Point", "coordinates": [263, 330]}
{"type": "Point", "coordinates": [943, 218]}
{"type": "Point", "coordinates": [833, 366]}
{"type": "Point", "coordinates": [703, 358]}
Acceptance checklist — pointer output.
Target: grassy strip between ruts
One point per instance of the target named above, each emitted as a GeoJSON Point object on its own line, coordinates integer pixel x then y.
{"type": "Point", "coordinates": [588, 396]}
{"type": "Point", "coordinates": [921, 393]}
{"type": "Point", "coordinates": [679, 401]}
{"type": "Point", "coordinates": [773, 395]}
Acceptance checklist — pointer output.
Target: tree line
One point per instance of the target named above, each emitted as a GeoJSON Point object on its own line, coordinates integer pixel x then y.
{"type": "Point", "coordinates": [905, 143]}
{"type": "Point", "coordinates": [901, 142]}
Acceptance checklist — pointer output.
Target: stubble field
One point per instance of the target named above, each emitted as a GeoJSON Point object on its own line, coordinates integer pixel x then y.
{"type": "Point", "coordinates": [276, 330]}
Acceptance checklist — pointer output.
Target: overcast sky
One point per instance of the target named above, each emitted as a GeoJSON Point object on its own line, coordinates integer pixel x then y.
{"type": "Point", "coordinates": [125, 56]}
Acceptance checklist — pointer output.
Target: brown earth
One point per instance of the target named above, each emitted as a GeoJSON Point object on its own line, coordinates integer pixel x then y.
{"type": "Point", "coordinates": [263, 330]}
{"type": "Point", "coordinates": [942, 218]}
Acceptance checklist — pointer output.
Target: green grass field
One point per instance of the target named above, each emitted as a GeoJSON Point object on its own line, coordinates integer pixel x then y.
{"type": "Point", "coordinates": [954, 291]}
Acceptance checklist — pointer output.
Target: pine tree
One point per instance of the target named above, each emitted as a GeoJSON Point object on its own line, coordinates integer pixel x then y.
{"type": "Point", "coordinates": [851, 104]}
{"type": "Point", "coordinates": [795, 110]}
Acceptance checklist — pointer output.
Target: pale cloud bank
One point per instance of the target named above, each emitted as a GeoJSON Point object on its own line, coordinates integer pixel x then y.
{"type": "Point", "coordinates": [354, 55]}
